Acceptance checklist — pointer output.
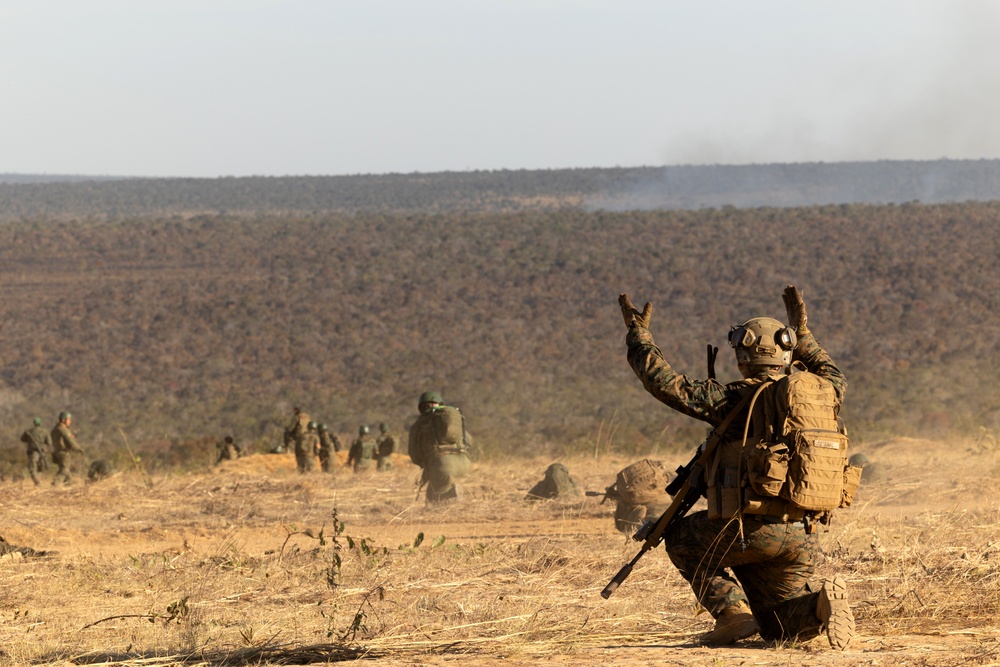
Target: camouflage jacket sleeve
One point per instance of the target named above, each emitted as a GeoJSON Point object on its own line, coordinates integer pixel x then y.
{"type": "Point", "coordinates": [68, 439]}
{"type": "Point", "coordinates": [707, 400]}
{"type": "Point", "coordinates": [816, 360]}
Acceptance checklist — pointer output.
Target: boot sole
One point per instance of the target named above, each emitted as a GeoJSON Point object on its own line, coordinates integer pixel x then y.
{"type": "Point", "coordinates": [839, 621]}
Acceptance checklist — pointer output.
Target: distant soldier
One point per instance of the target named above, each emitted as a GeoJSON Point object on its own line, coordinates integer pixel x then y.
{"type": "Point", "coordinates": [296, 430]}
{"type": "Point", "coordinates": [870, 471]}
{"type": "Point", "coordinates": [557, 483]}
{"type": "Point", "coordinates": [227, 450]}
{"type": "Point", "coordinates": [386, 447]}
{"type": "Point", "coordinates": [63, 444]}
{"type": "Point", "coordinates": [329, 443]}
{"type": "Point", "coordinates": [39, 443]}
{"type": "Point", "coordinates": [439, 444]}
{"type": "Point", "coordinates": [362, 450]}
{"type": "Point", "coordinates": [8, 549]}
{"type": "Point", "coordinates": [99, 469]}
{"type": "Point", "coordinates": [639, 494]}
{"type": "Point", "coordinates": [306, 448]}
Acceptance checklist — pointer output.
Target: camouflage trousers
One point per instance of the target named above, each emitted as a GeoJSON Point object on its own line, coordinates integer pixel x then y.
{"type": "Point", "coordinates": [303, 460]}
{"type": "Point", "coordinates": [325, 460]}
{"type": "Point", "coordinates": [63, 467]}
{"type": "Point", "coordinates": [771, 573]}
{"type": "Point", "coordinates": [36, 464]}
{"type": "Point", "coordinates": [441, 473]}
{"type": "Point", "coordinates": [384, 463]}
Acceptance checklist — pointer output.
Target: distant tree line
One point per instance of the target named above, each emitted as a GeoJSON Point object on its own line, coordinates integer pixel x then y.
{"type": "Point", "coordinates": [617, 189]}
{"type": "Point", "coordinates": [179, 328]}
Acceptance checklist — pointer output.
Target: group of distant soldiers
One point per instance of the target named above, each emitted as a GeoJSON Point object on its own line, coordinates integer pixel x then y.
{"type": "Point", "coordinates": [310, 440]}
{"type": "Point", "coordinates": [59, 443]}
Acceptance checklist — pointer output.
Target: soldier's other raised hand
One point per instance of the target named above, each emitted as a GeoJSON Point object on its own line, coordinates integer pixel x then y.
{"type": "Point", "coordinates": [795, 306]}
{"type": "Point", "coordinates": [633, 318]}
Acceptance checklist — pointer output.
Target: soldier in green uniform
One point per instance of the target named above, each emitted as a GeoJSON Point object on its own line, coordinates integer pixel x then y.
{"type": "Point", "coordinates": [296, 430]}
{"type": "Point", "coordinates": [329, 443]}
{"type": "Point", "coordinates": [385, 447]}
{"type": "Point", "coordinates": [38, 442]}
{"type": "Point", "coordinates": [306, 448]}
{"type": "Point", "coordinates": [439, 444]}
{"type": "Point", "coordinates": [751, 574]}
{"type": "Point", "coordinates": [227, 450]}
{"type": "Point", "coordinates": [362, 450]}
{"type": "Point", "coordinates": [639, 494]}
{"type": "Point", "coordinates": [63, 444]}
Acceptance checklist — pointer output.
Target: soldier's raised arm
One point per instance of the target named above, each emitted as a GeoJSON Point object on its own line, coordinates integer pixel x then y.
{"type": "Point", "coordinates": [707, 400]}
{"type": "Point", "coordinates": [807, 349]}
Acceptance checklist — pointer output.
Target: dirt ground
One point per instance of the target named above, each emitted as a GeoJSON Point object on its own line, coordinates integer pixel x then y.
{"type": "Point", "coordinates": [251, 549]}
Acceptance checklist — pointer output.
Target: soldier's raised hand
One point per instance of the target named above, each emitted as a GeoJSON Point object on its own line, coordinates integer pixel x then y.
{"type": "Point", "coordinates": [633, 318]}
{"type": "Point", "coordinates": [795, 307]}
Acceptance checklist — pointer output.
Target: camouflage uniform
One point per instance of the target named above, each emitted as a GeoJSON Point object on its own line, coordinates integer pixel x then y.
{"type": "Point", "coordinates": [328, 444]}
{"type": "Point", "coordinates": [8, 548]}
{"type": "Point", "coordinates": [296, 430]}
{"type": "Point", "coordinates": [385, 448]}
{"type": "Point", "coordinates": [362, 452]}
{"type": "Point", "coordinates": [441, 467]}
{"type": "Point", "coordinates": [38, 442]}
{"type": "Point", "coordinates": [306, 449]}
{"type": "Point", "coordinates": [63, 444]}
{"type": "Point", "coordinates": [639, 494]}
{"type": "Point", "coordinates": [228, 450]}
{"type": "Point", "coordinates": [772, 572]}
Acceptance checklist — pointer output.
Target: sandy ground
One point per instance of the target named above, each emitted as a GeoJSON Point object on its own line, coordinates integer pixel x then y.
{"type": "Point", "coordinates": [258, 502]}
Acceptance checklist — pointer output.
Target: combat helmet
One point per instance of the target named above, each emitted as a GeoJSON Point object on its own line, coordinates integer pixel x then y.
{"type": "Point", "coordinates": [63, 416]}
{"type": "Point", "coordinates": [38, 421]}
{"type": "Point", "coordinates": [312, 426]}
{"type": "Point", "coordinates": [383, 427]}
{"type": "Point", "coordinates": [430, 397]}
{"type": "Point", "coordinates": [364, 429]}
{"type": "Point", "coordinates": [762, 343]}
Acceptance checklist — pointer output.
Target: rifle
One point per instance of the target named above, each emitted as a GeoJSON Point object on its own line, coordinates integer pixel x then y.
{"type": "Point", "coordinates": [608, 493]}
{"type": "Point", "coordinates": [421, 484]}
{"type": "Point", "coordinates": [686, 488]}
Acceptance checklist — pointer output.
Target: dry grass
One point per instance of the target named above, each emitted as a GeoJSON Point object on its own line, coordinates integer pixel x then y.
{"type": "Point", "coordinates": [244, 565]}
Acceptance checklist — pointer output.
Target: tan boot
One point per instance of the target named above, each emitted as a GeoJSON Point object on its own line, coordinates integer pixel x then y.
{"type": "Point", "coordinates": [733, 624]}
{"type": "Point", "coordinates": [834, 611]}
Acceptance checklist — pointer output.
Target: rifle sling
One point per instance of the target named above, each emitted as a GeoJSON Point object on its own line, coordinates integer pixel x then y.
{"type": "Point", "coordinates": [656, 536]}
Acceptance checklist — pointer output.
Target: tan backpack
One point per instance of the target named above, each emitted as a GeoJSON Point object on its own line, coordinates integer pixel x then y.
{"type": "Point", "coordinates": [642, 483]}
{"type": "Point", "coordinates": [801, 450]}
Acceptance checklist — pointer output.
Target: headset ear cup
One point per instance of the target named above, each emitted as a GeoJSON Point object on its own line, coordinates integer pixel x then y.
{"type": "Point", "coordinates": [735, 334]}
{"type": "Point", "coordinates": [787, 339]}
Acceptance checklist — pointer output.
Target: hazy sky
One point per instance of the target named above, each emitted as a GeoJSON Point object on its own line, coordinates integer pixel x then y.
{"type": "Point", "coordinates": [242, 87]}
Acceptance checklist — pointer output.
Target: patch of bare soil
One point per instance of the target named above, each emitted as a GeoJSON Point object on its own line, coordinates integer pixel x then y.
{"type": "Point", "coordinates": [251, 563]}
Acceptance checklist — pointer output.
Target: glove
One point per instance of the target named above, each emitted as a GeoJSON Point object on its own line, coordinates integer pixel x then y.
{"type": "Point", "coordinates": [796, 309]}
{"type": "Point", "coordinates": [633, 318]}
